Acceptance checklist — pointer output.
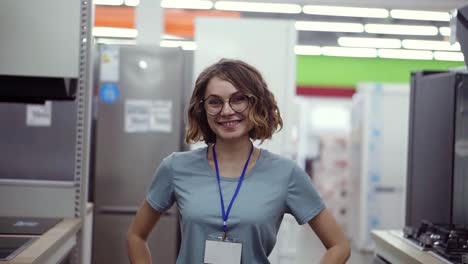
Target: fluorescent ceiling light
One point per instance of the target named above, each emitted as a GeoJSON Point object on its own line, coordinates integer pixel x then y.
{"type": "Point", "coordinates": [307, 50]}
{"type": "Point", "coordinates": [116, 41]}
{"type": "Point", "coordinates": [132, 2]}
{"type": "Point", "coordinates": [109, 2]}
{"type": "Point", "coordinates": [420, 15]}
{"type": "Point", "coordinates": [401, 29]}
{"type": "Point", "coordinates": [389, 43]}
{"type": "Point", "coordinates": [345, 11]}
{"type": "Point", "coordinates": [186, 45]}
{"type": "Point", "coordinates": [258, 7]}
{"type": "Point", "coordinates": [405, 54]}
{"type": "Point", "coordinates": [187, 4]}
{"type": "Point", "coordinates": [448, 56]}
{"type": "Point", "coordinates": [430, 45]}
{"type": "Point", "coordinates": [329, 26]}
{"type": "Point", "coordinates": [349, 52]}
{"type": "Point", "coordinates": [115, 32]}
{"type": "Point", "coordinates": [445, 31]}
{"type": "Point", "coordinates": [173, 37]}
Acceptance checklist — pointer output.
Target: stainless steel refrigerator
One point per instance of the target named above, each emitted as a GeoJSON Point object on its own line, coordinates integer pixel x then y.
{"type": "Point", "coordinates": [138, 122]}
{"type": "Point", "coordinates": [437, 180]}
{"type": "Point", "coordinates": [438, 149]}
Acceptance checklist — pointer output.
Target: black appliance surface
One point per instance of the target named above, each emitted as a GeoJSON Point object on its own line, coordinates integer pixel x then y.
{"type": "Point", "coordinates": [32, 89]}
{"type": "Point", "coordinates": [379, 260]}
{"type": "Point", "coordinates": [437, 149]}
{"type": "Point", "coordinates": [446, 240]}
{"type": "Point", "coordinates": [12, 246]}
{"type": "Point", "coordinates": [45, 153]}
{"type": "Point", "coordinates": [26, 225]}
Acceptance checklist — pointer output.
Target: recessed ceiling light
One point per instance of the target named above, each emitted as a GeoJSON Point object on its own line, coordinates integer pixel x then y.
{"type": "Point", "coordinates": [307, 50]}
{"type": "Point", "coordinates": [132, 2]}
{"type": "Point", "coordinates": [405, 54]}
{"type": "Point", "coordinates": [401, 29]}
{"type": "Point", "coordinates": [329, 26]}
{"type": "Point", "coordinates": [349, 52]}
{"type": "Point", "coordinates": [430, 45]}
{"type": "Point", "coordinates": [420, 15]}
{"type": "Point", "coordinates": [115, 32]}
{"type": "Point", "coordinates": [109, 2]}
{"type": "Point", "coordinates": [258, 7]}
{"type": "Point", "coordinates": [445, 31]}
{"type": "Point", "coordinates": [187, 4]}
{"type": "Point", "coordinates": [448, 56]}
{"type": "Point", "coordinates": [369, 42]}
{"type": "Point", "coordinates": [345, 11]}
{"type": "Point", "coordinates": [185, 45]}
{"type": "Point", "coordinates": [115, 41]}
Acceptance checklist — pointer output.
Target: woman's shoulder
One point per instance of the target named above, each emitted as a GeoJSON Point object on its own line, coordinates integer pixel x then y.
{"type": "Point", "coordinates": [277, 160]}
{"type": "Point", "coordinates": [189, 156]}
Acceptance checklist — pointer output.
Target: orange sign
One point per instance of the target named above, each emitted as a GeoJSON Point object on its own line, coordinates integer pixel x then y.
{"type": "Point", "coordinates": [177, 22]}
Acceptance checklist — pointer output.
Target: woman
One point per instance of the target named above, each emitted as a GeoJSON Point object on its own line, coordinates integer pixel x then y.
{"type": "Point", "coordinates": [231, 195]}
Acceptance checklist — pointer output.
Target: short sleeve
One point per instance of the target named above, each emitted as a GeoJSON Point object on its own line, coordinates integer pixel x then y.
{"type": "Point", "coordinates": [161, 192]}
{"type": "Point", "coordinates": [302, 201]}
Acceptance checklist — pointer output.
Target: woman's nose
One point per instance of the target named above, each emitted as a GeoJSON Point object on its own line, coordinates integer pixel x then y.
{"type": "Point", "coordinates": [227, 110]}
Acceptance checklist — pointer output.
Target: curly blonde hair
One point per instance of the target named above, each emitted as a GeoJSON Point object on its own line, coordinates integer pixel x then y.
{"type": "Point", "coordinates": [263, 113]}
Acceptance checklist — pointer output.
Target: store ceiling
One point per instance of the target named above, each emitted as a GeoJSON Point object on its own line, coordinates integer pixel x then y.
{"type": "Point", "coordinates": [429, 5]}
{"type": "Point", "coordinates": [330, 38]}
{"type": "Point", "coordinates": [315, 37]}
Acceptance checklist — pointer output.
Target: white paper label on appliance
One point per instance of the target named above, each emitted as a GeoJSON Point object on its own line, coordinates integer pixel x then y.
{"type": "Point", "coordinates": [39, 115]}
{"type": "Point", "coordinates": [461, 147]}
{"type": "Point", "coordinates": [137, 115]}
{"type": "Point", "coordinates": [161, 116]}
{"type": "Point", "coordinates": [110, 57]}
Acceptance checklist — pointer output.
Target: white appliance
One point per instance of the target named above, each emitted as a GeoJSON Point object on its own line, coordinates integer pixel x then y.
{"type": "Point", "coordinates": [378, 158]}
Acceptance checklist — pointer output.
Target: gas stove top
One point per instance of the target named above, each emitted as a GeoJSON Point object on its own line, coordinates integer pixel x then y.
{"type": "Point", "coordinates": [448, 241]}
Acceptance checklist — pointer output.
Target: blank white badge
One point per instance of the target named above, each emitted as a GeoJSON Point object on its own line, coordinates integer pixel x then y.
{"type": "Point", "coordinates": [219, 252]}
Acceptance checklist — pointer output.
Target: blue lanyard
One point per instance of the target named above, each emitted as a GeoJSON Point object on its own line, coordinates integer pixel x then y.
{"type": "Point", "coordinates": [239, 183]}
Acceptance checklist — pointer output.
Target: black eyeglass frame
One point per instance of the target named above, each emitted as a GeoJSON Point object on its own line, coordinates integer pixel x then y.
{"type": "Point", "coordinates": [249, 101]}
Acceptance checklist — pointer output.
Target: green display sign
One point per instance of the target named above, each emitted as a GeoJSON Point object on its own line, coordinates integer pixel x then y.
{"type": "Point", "coordinates": [345, 71]}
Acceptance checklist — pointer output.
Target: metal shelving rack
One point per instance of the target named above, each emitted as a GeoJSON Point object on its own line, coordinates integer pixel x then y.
{"type": "Point", "coordinates": [83, 120]}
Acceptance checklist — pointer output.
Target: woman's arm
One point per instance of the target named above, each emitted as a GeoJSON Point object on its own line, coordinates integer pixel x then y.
{"type": "Point", "coordinates": [332, 237]}
{"type": "Point", "coordinates": [141, 226]}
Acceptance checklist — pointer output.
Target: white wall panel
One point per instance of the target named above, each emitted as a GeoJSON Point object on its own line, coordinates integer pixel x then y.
{"type": "Point", "coordinates": [379, 155]}
{"type": "Point", "coordinates": [266, 44]}
{"type": "Point", "coordinates": [39, 38]}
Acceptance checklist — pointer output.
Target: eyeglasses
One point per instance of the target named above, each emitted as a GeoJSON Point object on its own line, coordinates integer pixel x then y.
{"type": "Point", "coordinates": [214, 104]}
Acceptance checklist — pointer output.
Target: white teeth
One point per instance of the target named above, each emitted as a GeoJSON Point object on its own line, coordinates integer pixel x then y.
{"type": "Point", "coordinates": [230, 123]}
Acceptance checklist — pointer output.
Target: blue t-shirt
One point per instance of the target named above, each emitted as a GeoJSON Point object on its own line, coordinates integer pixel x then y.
{"type": "Point", "coordinates": [273, 187]}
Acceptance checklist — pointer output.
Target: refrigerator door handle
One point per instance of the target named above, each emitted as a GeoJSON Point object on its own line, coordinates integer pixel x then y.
{"type": "Point", "coordinates": [131, 210]}
{"type": "Point", "coordinates": [388, 189]}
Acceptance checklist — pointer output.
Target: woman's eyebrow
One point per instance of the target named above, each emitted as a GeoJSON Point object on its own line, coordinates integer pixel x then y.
{"type": "Point", "coordinates": [219, 96]}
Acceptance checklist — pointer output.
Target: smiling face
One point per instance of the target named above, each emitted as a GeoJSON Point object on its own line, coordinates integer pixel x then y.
{"type": "Point", "coordinates": [231, 83]}
{"type": "Point", "coordinates": [227, 124]}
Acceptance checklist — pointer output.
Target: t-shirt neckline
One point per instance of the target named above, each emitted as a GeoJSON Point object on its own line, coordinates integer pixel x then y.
{"type": "Point", "coordinates": [213, 172]}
